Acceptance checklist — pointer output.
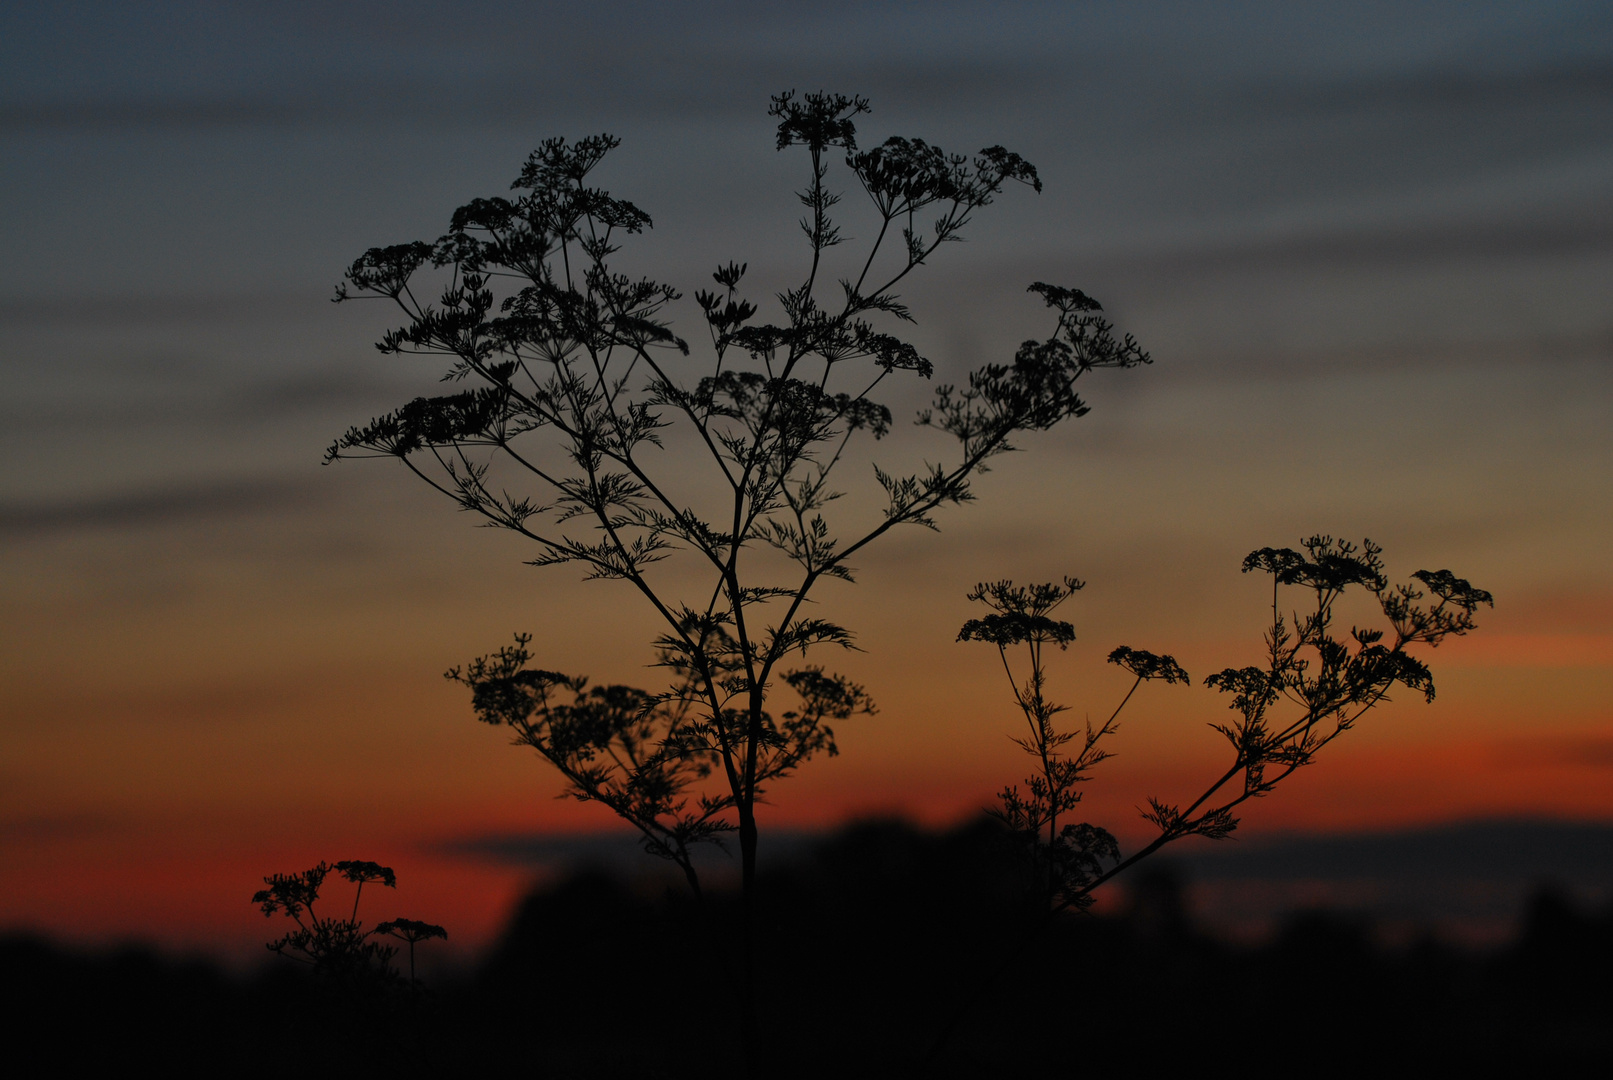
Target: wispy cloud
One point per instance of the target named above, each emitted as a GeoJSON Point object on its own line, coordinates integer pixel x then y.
{"type": "Point", "coordinates": [1378, 243]}
{"type": "Point", "coordinates": [1578, 751]}
{"type": "Point", "coordinates": [57, 827]}
{"type": "Point", "coordinates": [226, 498]}
{"type": "Point", "coordinates": [630, 87]}
{"type": "Point", "coordinates": [1465, 87]}
{"type": "Point", "coordinates": [140, 308]}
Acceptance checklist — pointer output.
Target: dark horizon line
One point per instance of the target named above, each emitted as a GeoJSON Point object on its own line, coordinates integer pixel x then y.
{"type": "Point", "coordinates": [1467, 837]}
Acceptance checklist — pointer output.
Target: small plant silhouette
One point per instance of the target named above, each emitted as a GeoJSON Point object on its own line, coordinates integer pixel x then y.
{"type": "Point", "coordinates": [412, 931]}
{"type": "Point", "coordinates": [338, 947]}
{"type": "Point", "coordinates": [1068, 860]}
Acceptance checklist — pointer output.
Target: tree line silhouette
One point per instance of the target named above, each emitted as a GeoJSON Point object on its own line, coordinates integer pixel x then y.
{"type": "Point", "coordinates": [870, 937]}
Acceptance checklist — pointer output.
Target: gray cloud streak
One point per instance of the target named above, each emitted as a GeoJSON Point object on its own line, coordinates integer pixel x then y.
{"type": "Point", "coordinates": [231, 498]}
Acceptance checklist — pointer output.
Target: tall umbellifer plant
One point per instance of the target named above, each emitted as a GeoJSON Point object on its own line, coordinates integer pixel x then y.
{"type": "Point", "coordinates": [577, 377]}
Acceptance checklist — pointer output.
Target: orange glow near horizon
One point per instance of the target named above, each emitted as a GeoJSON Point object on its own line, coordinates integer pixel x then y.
{"type": "Point", "coordinates": [180, 871]}
{"type": "Point", "coordinates": [165, 782]}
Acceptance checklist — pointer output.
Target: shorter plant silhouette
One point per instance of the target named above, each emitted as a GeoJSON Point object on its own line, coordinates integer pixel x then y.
{"type": "Point", "coordinates": [1329, 681]}
{"type": "Point", "coordinates": [413, 931]}
{"type": "Point", "coordinates": [338, 947]}
{"type": "Point", "coordinates": [1068, 859]}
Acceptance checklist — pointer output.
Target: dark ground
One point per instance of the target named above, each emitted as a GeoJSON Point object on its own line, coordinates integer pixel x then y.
{"type": "Point", "coordinates": [870, 943]}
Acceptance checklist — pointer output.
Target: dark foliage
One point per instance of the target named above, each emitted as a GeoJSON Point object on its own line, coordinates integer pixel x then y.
{"type": "Point", "coordinates": [873, 933]}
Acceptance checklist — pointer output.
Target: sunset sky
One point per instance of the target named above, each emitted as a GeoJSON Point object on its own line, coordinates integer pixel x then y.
{"type": "Point", "coordinates": [1369, 246]}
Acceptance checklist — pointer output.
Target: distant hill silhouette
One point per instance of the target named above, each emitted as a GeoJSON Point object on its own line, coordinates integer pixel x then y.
{"type": "Point", "coordinates": [1468, 878]}
{"type": "Point", "coordinates": [1571, 852]}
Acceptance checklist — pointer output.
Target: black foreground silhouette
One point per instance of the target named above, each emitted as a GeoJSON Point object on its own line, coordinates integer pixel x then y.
{"type": "Point", "coordinates": [591, 423]}
{"type": "Point", "coordinates": [873, 935]}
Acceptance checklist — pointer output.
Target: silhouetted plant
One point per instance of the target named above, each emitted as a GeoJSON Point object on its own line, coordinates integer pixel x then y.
{"type": "Point", "coordinates": [578, 372]}
{"type": "Point", "coordinates": [1068, 860]}
{"type": "Point", "coordinates": [338, 947]}
{"type": "Point", "coordinates": [1329, 682]}
{"type": "Point", "coordinates": [412, 931]}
